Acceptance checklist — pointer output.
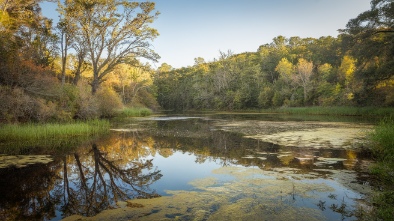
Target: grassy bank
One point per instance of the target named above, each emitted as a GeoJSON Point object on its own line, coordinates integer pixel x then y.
{"type": "Point", "coordinates": [383, 148]}
{"type": "Point", "coordinates": [338, 111]}
{"type": "Point", "coordinates": [51, 134]}
{"type": "Point", "coordinates": [134, 112]}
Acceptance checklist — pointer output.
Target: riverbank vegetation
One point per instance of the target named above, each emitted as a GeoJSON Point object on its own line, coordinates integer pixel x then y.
{"type": "Point", "coordinates": [54, 73]}
{"type": "Point", "coordinates": [134, 112]}
{"type": "Point", "coordinates": [15, 138]}
{"type": "Point", "coordinates": [383, 148]}
{"type": "Point", "coordinates": [34, 132]}
{"type": "Point", "coordinates": [338, 111]}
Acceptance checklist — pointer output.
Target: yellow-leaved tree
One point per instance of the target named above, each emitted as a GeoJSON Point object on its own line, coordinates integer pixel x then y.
{"type": "Point", "coordinates": [346, 74]}
{"type": "Point", "coordinates": [304, 73]}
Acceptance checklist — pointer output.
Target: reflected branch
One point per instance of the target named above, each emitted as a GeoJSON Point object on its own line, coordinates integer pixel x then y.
{"type": "Point", "coordinates": [101, 182]}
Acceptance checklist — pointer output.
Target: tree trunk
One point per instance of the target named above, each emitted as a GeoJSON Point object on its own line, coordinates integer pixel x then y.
{"type": "Point", "coordinates": [95, 85]}
{"type": "Point", "coordinates": [305, 94]}
{"type": "Point", "coordinates": [64, 48]}
{"type": "Point", "coordinates": [76, 77]}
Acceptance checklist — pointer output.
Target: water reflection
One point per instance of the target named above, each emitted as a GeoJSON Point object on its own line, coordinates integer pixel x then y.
{"type": "Point", "coordinates": [200, 137]}
{"type": "Point", "coordinates": [145, 159]}
{"type": "Point", "coordinates": [102, 179]}
{"type": "Point", "coordinates": [85, 182]}
{"type": "Point", "coordinates": [25, 192]}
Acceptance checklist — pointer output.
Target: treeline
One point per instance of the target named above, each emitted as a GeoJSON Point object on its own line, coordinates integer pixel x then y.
{"type": "Point", "coordinates": [84, 67]}
{"type": "Point", "coordinates": [354, 69]}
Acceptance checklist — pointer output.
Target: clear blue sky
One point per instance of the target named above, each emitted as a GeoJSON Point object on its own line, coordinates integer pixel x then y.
{"type": "Point", "coordinates": [200, 28]}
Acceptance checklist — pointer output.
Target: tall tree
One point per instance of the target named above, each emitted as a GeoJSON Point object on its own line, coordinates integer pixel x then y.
{"type": "Point", "coordinates": [370, 37]}
{"type": "Point", "coordinates": [114, 32]}
{"type": "Point", "coordinates": [305, 71]}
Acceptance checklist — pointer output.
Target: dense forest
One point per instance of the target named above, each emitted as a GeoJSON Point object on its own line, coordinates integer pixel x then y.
{"type": "Point", "coordinates": [354, 69]}
{"type": "Point", "coordinates": [87, 65]}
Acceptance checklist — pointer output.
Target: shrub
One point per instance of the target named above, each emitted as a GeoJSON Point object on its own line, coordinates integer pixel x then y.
{"type": "Point", "coordinates": [108, 102]}
{"type": "Point", "coordinates": [86, 104]}
{"type": "Point", "coordinates": [45, 110]}
{"type": "Point", "coordinates": [15, 105]}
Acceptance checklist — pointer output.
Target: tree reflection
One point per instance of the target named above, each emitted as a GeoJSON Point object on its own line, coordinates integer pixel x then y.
{"type": "Point", "coordinates": [98, 183]}
{"type": "Point", "coordinates": [25, 192]}
{"type": "Point", "coordinates": [91, 179]}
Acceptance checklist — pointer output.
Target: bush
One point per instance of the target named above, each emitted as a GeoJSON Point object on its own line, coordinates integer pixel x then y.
{"type": "Point", "coordinates": [15, 105]}
{"type": "Point", "coordinates": [45, 110]}
{"type": "Point", "coordinates": [87, 106]}
{"type": "Point", "coordinates": [108, 102]}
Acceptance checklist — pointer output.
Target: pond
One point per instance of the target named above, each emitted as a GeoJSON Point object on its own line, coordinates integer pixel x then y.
{"type": "Point", "coordinates": [198, 167]}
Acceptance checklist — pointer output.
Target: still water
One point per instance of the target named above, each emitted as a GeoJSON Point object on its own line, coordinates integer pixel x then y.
{"type": "Point", "coordinates": [201, 167]}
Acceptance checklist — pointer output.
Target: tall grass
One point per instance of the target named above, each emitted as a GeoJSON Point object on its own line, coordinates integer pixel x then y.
{"type": "Point", "coordinates": [383, 148]}
{"type": "Point", "coordinates": [339, 111]}
{"type": "Point", "coordinates": [383, 139]}
{"type": "Point", "coordinates": [38, 133]}
{"type": "Point", "coordinates": [134, 112]}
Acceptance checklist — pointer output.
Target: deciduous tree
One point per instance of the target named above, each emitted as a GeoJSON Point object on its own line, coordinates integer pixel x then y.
{"type": "Point", "coordinates": [114, 32]}
{"type": "Point", "coordinates": [305, 71]}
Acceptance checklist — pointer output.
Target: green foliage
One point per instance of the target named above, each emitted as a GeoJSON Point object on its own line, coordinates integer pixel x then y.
{"type": "Point", "coordinates": [278, 99]}
{"type": "Point", "coordinates": [265, 97]}
{"type": "Point", "coordinates": [368, 38]}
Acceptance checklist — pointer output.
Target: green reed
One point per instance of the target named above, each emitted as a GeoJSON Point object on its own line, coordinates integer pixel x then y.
{"type": "Point", "coordinates": [38, 132]}
{"type": "Point", "coordinates": [134, 112]}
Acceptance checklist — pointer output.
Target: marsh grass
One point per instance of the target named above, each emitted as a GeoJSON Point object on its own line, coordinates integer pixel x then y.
{"type": "Point", "coordinates": [52, 134]}
{"type": "Point", "coordinates": [383, 148]}
{"type": "Point", "coordinates": [339, 111]}
{"type": "Point", "coordinates": [134, 112]}
{"type": "Point", "coordinates": [383, 139]}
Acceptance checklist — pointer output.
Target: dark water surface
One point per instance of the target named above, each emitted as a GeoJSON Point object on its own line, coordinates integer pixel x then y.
{"type": "Point", "coordinates": [150, 157]}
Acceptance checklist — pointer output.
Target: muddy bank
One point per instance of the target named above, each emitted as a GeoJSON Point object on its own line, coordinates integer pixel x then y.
{"type": "Point", "coordinates": [301, 134]}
